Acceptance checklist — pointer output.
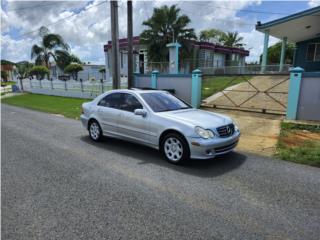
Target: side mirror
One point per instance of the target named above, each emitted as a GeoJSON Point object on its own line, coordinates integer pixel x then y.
{"type": "Point", "coordinates": [140, 112]}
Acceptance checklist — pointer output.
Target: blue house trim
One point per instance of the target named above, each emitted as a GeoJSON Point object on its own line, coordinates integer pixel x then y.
{"type": "Point", "coordinates": [307, 12]}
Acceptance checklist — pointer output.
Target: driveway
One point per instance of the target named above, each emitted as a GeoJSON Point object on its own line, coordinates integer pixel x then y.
{"type": "Point", "coordinates": [259, 131]}
{"type": "Point", "coordinates": [254, 94]}
{"type": "Point", "coordinates": [57, 184]}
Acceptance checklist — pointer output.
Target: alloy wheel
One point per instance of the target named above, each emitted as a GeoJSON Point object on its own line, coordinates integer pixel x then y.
{"type": "Point", "coordinates": [94, 131]}
{"type": "Point", "coordinates": [173, 149]}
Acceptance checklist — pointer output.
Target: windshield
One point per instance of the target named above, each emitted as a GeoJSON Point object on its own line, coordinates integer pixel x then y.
{"type": "Point", "coordinates": [162, 101]}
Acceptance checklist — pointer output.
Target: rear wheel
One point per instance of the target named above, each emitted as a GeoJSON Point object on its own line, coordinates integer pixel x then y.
{"type": "Point", "coordinates": [95, 131]}
{"type": "Point", "coordinates": [175, 148]}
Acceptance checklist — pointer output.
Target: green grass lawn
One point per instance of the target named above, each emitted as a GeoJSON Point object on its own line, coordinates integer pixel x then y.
{"type": "Point", "coordinates": [299, 143]}
{"type": "Point", "coordinates": [214, 84]}
{"type": "Point", "coordinates": [68, 107]}
{"type": "Point", "coordinates": [7, 83]}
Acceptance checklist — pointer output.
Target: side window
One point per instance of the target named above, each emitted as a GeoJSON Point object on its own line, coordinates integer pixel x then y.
{"type": "Point", "coordinates": [130, 103]}
{"type": "Point", "coordinates": [112, 100]}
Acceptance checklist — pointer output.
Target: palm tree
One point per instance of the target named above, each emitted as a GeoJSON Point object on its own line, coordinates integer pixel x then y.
{"type": "Point", "coordinates": [211, 35]}
{"type": "Point", "coordinates": [52, 45]}
{"type": "Point", "coordinates": [232, 39]}
{"type": "Point", "coordinates": [165, 26]}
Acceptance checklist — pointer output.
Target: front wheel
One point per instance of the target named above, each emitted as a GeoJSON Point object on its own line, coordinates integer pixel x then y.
{"type": "Point", "coordinates": [95, 131]}
{"type": "Point", "coordinates": [175, 148]}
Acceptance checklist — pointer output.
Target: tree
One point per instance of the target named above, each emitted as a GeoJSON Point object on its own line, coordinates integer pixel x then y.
{"type": "Point", "coordinates": [166, 25]}
{"type": "Point", "coordinates": [211, 35]}
{"type": "Point", "coordinates": [23, 68]}
{"type": "Point", "coordinates": [232, 39]}
{"type": "Point", "coordinates": [102, 71]}
{"type": "Point", "coordinates": [6, 62]}
{"type": "Point", "coordinates": [64, 60]}
{"type": "Point", "coordinates": [51, 45]}
{"type": "Point", "coordinates": [39, 71]}
{"type": "Point", "coordinates": [73, 69]}
{"type": "Point", "coordinates": [274, 53]}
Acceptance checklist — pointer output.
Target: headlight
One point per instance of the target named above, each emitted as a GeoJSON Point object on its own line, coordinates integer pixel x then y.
{"type": "Point", "coordinates": [204, 133]}
{"type": "Point", "coordinates": [236, 125]}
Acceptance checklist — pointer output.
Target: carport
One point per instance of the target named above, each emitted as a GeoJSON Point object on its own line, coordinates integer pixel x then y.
{"type": "Point", "coordinates": [303, 29]}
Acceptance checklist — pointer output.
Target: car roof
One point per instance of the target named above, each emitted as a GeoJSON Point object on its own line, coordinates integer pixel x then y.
{"type": "Point", "coordinates": [136, 90]}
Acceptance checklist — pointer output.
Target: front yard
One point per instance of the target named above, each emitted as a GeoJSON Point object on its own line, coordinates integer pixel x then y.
{"type": "Point", "coordinates": [299, 143]}
{"type": "Point", "coordinates": [68, 107]}
{"type": "Point", "coordinates": [8, 83]}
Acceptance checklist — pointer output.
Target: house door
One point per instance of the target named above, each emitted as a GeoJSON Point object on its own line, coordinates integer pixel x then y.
{"type": "Point", "coordinates": [141, 63]}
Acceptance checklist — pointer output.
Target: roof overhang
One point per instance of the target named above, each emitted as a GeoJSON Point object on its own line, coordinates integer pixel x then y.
{"type": "Point", "coordinates": [297, 27]}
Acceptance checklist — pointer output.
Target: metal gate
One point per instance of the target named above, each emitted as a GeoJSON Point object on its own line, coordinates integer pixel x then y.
{"type": "Point", "coordinates": [260, 93]}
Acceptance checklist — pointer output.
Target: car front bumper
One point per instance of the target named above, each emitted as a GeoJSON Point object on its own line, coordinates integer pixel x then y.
{"type": "Point", "coordinates": [84, 120]}
{"type": "Point", "coordinates": [209, 148]}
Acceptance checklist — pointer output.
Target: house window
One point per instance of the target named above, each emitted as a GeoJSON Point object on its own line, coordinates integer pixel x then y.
{"type": "Point", "coordinates": [313, 52]}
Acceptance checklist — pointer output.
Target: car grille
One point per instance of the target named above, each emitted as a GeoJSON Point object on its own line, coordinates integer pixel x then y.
{"type": "Point", "coordinates": [225, 148]}
{"type": "Point", "coordinates": [226, 131]}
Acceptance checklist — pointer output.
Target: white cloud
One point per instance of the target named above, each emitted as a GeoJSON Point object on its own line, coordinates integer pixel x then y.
{"type": "Point", "coordinates": [89, 30]}
{"type": "Point", "coordinates": [314, 3]}
{"type": "Point", "coordinates": [254, 42]}
{"type": "Point", "coordinates": [15, 50]}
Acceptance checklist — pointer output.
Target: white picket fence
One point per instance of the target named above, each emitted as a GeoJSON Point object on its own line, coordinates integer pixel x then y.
{"type": "Point", "coordinates": [70, 88]}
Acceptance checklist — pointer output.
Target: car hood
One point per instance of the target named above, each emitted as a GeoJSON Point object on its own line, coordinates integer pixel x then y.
{"type": "Point", "coordinates": [198, 117]}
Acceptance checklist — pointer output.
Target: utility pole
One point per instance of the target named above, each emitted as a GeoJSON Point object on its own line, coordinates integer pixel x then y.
{"type": "Point", "coordinates": [115, 45]}
{"type": "Point", "coordinates": [130, 44]}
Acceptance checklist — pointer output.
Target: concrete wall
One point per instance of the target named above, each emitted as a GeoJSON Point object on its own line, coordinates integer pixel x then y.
{"type": "Point", "coordinates": [142, 81]}
{"type": "Point", "coordinates": [180, 83]}
{"type": "Point", "coordinates": [91, 72]}
{"type": "Point", "coordinates": [309, 99]}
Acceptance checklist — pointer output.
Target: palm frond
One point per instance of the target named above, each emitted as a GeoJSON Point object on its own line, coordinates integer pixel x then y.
{"type": "Point", "coordinates": [52, 41]}
{"type": "Point", "coordinates": [36, 51]}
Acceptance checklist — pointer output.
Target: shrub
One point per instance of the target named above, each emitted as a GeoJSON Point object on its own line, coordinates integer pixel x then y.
{"type": "Point", "coordinates": [73, 69]}
{"type": "Point", "coordinates": [39, 71]}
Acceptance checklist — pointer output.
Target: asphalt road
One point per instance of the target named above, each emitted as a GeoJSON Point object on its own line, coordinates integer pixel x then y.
{"type": "Point", "coordinates": [57, 184]}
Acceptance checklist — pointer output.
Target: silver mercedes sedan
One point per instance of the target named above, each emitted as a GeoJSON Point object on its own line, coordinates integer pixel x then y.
{"type": "Point", "coordinates": [160, 120]}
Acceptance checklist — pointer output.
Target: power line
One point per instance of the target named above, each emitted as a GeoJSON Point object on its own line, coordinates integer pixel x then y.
{"type": "Point", "coordinates": [247, 10]}
{"type": "Point", "coordinates": [35, 6]}
{"type": "Point", "coordinates": [242, 10]}
{"type": "Point", "coordinates": [62, 19]}
{"type": "Point", "coordinates": [239, 22]}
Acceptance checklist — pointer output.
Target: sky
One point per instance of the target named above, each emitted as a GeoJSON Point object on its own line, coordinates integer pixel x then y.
{"type": "Point", "coordinates": [85, 25]}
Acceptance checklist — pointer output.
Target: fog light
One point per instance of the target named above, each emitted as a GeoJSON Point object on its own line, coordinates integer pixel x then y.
{"type": "Point", "coordinates": [208, 152]}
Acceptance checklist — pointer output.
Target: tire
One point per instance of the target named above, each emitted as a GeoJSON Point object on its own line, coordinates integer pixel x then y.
{"type": "Point", "coordinates": [95, 131]}
{"type": "Point", "coordinates": [175, 148]}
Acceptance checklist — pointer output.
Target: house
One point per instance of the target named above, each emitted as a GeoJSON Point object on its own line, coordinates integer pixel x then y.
{"type": "Point", "coordinates": [90, 71]}
{"type": "Point", "coordinates": [8, 72]}
{"type": "Point", "coordinates": [206, 55]}
{"type": "Point", "coordinates": [303, 29]}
